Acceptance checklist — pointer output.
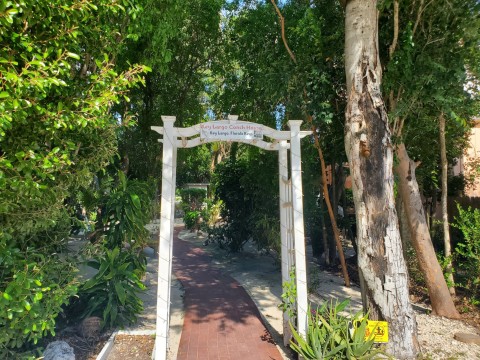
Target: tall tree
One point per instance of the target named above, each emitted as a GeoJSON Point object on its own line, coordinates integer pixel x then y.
{"type": "Point", "coordinates": [181, 42]}
{"type": "Point", "coordinates": [323, 176]}
{"type": "Point", "coordinates": [370, 154]}
{"type": "Point", "coordinates": [426, 76]}
{"type": "Point", "coordinates": [280, 88]}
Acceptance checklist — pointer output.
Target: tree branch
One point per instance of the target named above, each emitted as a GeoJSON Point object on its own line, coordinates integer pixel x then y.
{"type": "Point", "coordinates": [391, 50]}
{"type": "Point", "coordinates": [419, 16]}
{"type": "Point", "coordinates": [320, 154]}
{"type": "Point", "coordinates": [284, 38]}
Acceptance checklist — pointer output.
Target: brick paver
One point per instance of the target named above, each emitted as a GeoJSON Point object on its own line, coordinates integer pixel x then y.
{"type": "Point", "coordinates": [221, 320]}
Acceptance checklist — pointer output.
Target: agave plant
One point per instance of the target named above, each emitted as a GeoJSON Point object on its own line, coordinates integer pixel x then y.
{"type": "Point", "coordinates": [331, 335]}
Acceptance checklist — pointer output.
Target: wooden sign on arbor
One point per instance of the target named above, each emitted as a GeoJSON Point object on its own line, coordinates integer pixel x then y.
{"type": "Point", "coordinates": [291, 204]}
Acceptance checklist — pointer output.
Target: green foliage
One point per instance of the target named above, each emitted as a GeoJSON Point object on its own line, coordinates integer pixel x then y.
{"type": "Point", "coordinates": [247, 185]}
{"type": "Point", "coordinates": [180, 41]}
{"type": "Point", "coordinates": [467, 251]}
{"type": "Point", "coordinates": [414, 272]}
{"type": "Point", "coordinates": [445, 263]}
{"type": "Point", "coordinates": [113, 292]}
{"type": "Point", "coordinates": [315, 213]}
{"type": "Point", "coordinates": [430, 73]}
{"type": "Point", "coordinates": [33, 288]}
{"type": "Point", "coordinates": [456, 185]}
{"type": "Point", "coordinates": [238, 208]}
{"type": "Point", "coordinates": [197, 208]}
{"type": "Point", "coordinates": [195, 166]}
{"type": "Point", "coordinates": [193, 198]}
{"type": "Point", "coordinates": [280, 89]}
{"type": "Point", "coordinates": [212, 213]}
{"type": "Point", "coordinates": [289, 297]}
{"type": "Point", "coordinates": [127, 211]}
{"type": "Point", "coordinates": [58, 83]}
{"type": "Point", "coordinates": [314, 279]}
{"type": "Point", "coordinates": [191, 219]}
{"type": "Point", "coordinates": [329, 336]}
{"type": "Point", "coordinates": [265, 232]}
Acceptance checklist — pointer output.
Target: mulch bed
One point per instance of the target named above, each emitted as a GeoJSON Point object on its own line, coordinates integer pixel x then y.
{"type": "Point", "coordinates": [138, 347]}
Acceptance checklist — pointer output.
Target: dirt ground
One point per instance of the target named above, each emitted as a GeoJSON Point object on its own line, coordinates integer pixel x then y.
{"type": "Point", "coordinates": [132, 347]}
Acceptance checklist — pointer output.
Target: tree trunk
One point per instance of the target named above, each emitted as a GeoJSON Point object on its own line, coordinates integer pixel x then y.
{"type": "Point", "coordinates": [442, 304]}
{"type": "Point", "coordinates": [433, 210]}
{"type": "Point", "coordinates": [326, 250]}
{"type": "Point", "coordinates": [334, 242]}
{"type": "Point", "coordinates": [403, 224]}
{"type": "Point", "coordinates": [446, 227]}
{"type": "Point", "coordinates": [333, 188]}
{"type": "Point", "coordinates": [370, 155]}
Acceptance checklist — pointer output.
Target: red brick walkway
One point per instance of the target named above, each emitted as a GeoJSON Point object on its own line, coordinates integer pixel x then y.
{"type": "Point", "coordinates": [221, 320]}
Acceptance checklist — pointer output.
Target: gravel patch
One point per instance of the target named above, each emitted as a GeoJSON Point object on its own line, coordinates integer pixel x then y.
{"type": "Point", "coordinates": [435, 335]}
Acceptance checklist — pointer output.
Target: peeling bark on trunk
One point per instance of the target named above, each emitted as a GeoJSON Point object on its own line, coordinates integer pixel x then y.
{"type": "Point", "coordinates": [370, 155]}
{"type": "Point", "coordinates": [446, 226]}
{"type": "Point", "coordinates": [442, 304]}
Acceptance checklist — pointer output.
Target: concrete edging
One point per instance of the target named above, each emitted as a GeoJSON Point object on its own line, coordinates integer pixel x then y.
{"type": "Point", "coordinates": [107, 348]}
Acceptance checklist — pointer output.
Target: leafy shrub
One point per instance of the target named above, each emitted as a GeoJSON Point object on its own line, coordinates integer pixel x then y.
{"type": "Point", "coordinates": [127, 211]}
{"type": "Point", "coordinates": [445, 263]}
{"type": "Point", "coordinates": [113, 292]}
{"type": "Point", "coordinates": [231, 235]}
{"type": "Point", "coordinates": [238, 212]}
{"type": "Point", "coordinates": [212, 212]}
{"type": "Point", "coordinates": [329, 336]}
{"type": "Point", "coordinates": [467, 252]}
{"type": "Point", "coordinates": [248, 186]}
{"type": "Point", "coordinates": [415, 274]}
{"type": "Point", "coordinates": [266, 232]}
{"type": "Point", "coordinates": [456, 185]}
{"type": "Point", "coordinates": [191, 219]}
{"type": "Point", "coordinates": [33, 288]}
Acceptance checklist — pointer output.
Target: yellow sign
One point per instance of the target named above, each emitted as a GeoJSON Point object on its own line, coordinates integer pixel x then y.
{"type": "Point", "coordinates": [377, 329]}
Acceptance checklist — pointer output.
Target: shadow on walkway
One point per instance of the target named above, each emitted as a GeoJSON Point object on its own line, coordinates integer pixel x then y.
{"type": "Point", "coordinates": [221, 320]}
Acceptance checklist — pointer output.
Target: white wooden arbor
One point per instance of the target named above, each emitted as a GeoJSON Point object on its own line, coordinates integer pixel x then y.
{"type": "Point", "coordinates": [291, 204]}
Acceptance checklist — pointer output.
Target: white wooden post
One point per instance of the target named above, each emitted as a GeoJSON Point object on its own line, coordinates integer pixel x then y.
{"type": "Point", "coordinates": [166, 237]}
{"type": "Point", "coordinates": [290, 242]}
{"type": "Point", "coordinates": [283, 183]}
{"type": "Point", "coordinates": [285, 207]}
{"type": "Point", "coordinates": [298, 226]}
